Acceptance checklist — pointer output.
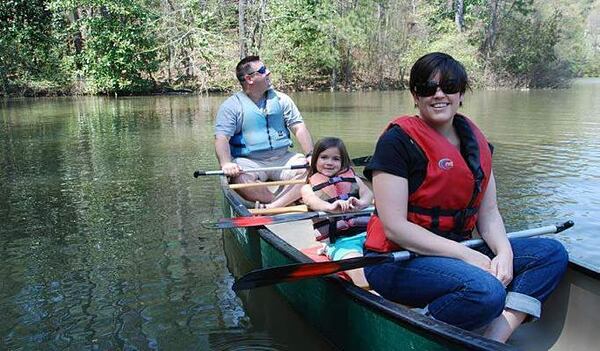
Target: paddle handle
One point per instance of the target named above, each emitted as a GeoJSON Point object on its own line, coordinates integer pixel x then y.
{"type": "Point", "coordinates": [276, 210]}
{"type": "Point", "coordinates": [549, 229]}
{"type": "Point", "coordinates": [263, 169]}
{"type": "Point", "coordinates": [275, 183]}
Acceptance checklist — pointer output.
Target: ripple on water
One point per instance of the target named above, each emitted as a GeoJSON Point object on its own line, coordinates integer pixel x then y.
{"type": "Point", "coordinates": [241, 341]}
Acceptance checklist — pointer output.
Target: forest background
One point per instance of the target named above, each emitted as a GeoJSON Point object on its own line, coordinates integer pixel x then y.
{"type": "Point", "coordinates": [71, 47]}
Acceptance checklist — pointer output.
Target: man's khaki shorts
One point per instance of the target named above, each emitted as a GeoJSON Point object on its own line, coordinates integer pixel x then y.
{"type": "Point", "coordinates": [288, 159]}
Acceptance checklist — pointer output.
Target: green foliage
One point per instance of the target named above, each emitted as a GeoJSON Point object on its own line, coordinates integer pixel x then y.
{"type": "Point", "coordinates": [118, 52]}
{"type": "Point", "coordinates": [141, 46]}
{"type": "Point", "coordinates": [526, 55]}
{"type": "Point", "coordinates": [298, 42]}
{"type": "Point", "coordinates": [29, 53]}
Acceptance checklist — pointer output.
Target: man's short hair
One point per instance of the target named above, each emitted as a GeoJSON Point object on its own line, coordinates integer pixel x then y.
{"type": "Point", "coordinates": [243, 67]}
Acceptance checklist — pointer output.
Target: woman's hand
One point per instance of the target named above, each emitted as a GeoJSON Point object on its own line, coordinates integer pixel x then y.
{"type": "Point", "coordinates": [478, 259]}
{"type": "Point", "coordinates": [502, 267]}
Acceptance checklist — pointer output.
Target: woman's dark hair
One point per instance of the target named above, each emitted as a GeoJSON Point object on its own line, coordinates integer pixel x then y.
{"type": "Point", "coordinates": [438, 62]}
{"type": "Point", "coordinates": [243, 67]}
{"type": "Point", "coordinates": [324, 144]}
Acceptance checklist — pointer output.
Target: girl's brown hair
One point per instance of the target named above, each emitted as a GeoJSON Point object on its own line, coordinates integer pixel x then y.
{"type": "Point", "coordinates": [324, 144]}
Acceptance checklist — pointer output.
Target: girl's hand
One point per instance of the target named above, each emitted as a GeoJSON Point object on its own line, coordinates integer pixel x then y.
{"type": "Point", "coordinates": [357, 204]}
{"type": "Point", "coordinates": [341, 206]}
{"type": "Point", "coordinates": [502, 267]}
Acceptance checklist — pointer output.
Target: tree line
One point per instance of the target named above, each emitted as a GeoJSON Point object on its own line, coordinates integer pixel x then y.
{"type": "Point", "coordinates": [53, 47]}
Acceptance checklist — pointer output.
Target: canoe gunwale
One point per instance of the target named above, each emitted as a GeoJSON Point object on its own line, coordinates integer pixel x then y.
{"type": "Point", "coordinates": [585, 270]}
{"type": "Point", "coordinates": [406, 318]}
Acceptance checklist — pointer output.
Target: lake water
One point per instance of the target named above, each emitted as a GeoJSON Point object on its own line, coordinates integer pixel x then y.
{"type": "Point", "coordinates": [100, 219]}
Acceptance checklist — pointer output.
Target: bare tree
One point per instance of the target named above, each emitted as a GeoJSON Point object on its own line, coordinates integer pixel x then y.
{"type": "Point", "coordinates": [459, 15]}
{"type": "Point", "coordinates": [242, 28]}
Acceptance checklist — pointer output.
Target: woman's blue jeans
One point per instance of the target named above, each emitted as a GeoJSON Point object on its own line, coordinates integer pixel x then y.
{"type": "Point", "coordinates": [466, 296]}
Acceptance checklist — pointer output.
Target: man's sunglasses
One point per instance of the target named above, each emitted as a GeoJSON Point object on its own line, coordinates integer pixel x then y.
{"type": "Point", "coordinates": [261, 70]}
{"type": "Point", "coordinates": [430, 88]}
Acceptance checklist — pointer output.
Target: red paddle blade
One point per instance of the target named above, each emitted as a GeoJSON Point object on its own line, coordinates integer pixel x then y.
{"type": "Point", "coordinates": [239, 222]}
{"type": "Point", "coordinates": [297, 271]}
{"type": "Point", "coordinates": [255, 221]}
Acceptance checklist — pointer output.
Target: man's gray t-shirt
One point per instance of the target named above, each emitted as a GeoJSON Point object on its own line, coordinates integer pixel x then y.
{"type": "Point", "coordinates": [230, 119]}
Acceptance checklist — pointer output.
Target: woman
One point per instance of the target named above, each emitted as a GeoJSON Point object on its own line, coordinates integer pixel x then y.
{"type": "Point", "coordinates": [334, 187]}
{"type": "Point", "coordinates": [433, 181]}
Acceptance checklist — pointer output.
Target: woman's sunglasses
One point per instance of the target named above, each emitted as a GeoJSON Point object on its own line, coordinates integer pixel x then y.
{"type": "Point", "coordinates": [430, 88]}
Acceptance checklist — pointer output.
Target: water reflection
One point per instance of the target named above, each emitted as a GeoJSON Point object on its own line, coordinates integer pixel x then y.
{"type": "Point", "coordinates": [100, 233]}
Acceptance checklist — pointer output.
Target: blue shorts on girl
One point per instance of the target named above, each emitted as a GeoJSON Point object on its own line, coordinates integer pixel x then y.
{"type": "Point", "coordinates": [344, 246]}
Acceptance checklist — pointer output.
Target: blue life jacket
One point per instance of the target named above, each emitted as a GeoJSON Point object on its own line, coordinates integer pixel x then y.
{"type": "Point", "coordinates": [262, 130]}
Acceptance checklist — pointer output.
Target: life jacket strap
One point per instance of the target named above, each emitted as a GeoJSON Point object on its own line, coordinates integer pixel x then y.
{"type": "Point", "coordinates": [460, 216]}
{"type": "Point", "coordinates": [332, 181]}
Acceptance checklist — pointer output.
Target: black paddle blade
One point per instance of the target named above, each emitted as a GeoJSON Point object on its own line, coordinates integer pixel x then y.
{"type": "Point", "coordinates": [564, 226]}
{"type": "Point", "coordinates": [297, 271]}
{"type": "Point", "coordinates": [362, 161]}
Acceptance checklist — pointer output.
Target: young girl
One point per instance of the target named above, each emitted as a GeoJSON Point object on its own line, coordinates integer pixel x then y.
{"type": "Point", "coordinates": [333, 187]}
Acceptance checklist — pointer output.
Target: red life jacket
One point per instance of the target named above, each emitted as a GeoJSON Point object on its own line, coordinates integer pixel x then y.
{"type": "Point", "coordinates": [447, 202]}
{"type": "Point", "coordinates": [339, 187]}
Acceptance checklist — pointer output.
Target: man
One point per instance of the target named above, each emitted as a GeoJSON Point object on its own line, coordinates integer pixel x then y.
{"type": "Point", "coordinates": [253, 131]}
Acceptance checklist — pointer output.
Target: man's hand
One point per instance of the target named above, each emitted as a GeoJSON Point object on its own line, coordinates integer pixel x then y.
{"type": "Point", "coordinates": [231, 169]}
{"type": "Point", "coordinates": [308, 160]}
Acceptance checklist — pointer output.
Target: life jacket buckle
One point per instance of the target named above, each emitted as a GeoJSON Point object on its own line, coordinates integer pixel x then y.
{"type": "Point", "coordinates": [334, 180]}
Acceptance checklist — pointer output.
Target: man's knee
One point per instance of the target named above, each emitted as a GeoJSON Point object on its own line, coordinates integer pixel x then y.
{"type": "Point", "coordinates": [245, 178]}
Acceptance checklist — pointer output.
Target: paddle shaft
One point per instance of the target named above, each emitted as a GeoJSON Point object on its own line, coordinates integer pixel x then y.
{"type": "Point", "coordinates": [359, 161]}
{"type": "Point", "coordinates": [550, 229]}
{"type": "Point", "coordinates": [299, 271]}
{"type": "Point", "coordinates": [262, 169]}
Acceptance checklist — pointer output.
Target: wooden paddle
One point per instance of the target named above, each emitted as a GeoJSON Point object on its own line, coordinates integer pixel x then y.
{"type": "Point", "coordinates": [276, 210]}
{"type": "Point", "coordinates": [297, 271]}
{"type": "Point", "coordinates": [241, 222]}
{"type": "Point", "coordinates": [275, 183]}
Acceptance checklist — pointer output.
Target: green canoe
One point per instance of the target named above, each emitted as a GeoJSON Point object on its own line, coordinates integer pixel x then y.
{"type": "Point", "coordinates": [352, 318]}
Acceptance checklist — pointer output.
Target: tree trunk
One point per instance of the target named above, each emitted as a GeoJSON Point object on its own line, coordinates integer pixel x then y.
{"type": "Point", "coordinates": [77, 38]}
{"type": "Point", "coordinates": [334, 71]}
{"type": "Point", "coordinates": [348, 70]}
{"type": "Point", "coordinates": [491, 30]}
{"type": "Point", "coordinates": [242, 28]}
{"type": "Point", "coordinates": [256, 39]}
{"type": "Point", "coordinates": [459, 15]}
